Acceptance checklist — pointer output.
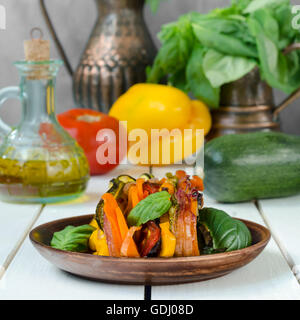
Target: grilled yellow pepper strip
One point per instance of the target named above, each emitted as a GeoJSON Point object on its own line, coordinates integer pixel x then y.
{"type": "Point", "coordinates": [168, 240]}
{"type": "Point", "coordinates": [97, 241]}
{"type": "Point", "coordinates": [94, 224]}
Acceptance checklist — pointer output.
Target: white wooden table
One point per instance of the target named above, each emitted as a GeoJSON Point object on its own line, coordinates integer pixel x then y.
{"type": "Point", "coordinates": [24, 274]}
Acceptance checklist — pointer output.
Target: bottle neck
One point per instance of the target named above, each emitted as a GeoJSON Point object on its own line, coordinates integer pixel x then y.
{"type": "Point", "coordinates": [38, 100]}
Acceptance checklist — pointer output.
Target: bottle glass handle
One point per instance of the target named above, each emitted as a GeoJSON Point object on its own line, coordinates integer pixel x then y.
{"type": "Point", "coordinates": [7, 93]}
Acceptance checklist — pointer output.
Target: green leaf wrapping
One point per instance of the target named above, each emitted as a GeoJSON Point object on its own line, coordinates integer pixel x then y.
{"type": "Point", "coordinates": [150, 208]}
{"type": "Point", "coordinates": [72, 238]}
{"type": "Point", "coordinates": [226, 232]}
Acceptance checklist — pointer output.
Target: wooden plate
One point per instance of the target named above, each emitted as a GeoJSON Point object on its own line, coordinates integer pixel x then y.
{"type": "Point", "coordinates": [145, 271]}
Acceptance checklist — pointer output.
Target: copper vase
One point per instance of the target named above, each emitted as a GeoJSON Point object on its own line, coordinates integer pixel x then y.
{"type": "Point", "coordinates": [247, 105]}
{"type": "Point", "coordinates": [116, 56]}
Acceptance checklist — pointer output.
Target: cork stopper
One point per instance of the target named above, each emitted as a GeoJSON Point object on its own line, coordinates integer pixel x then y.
{"type": "Point", "coordinates": [37, 49]}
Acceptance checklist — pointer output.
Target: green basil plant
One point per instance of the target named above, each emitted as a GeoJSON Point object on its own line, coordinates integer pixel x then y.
{"type": "Point", "coordinates": [202, 52]}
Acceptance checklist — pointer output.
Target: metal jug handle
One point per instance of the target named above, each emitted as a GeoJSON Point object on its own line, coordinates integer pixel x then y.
{"type": "Point", "coordinates": [55, 37]}
{"type": "Point", "coordinates": [295, 95]}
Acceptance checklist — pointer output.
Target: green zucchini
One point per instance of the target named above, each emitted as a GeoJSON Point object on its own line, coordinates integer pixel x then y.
{"type": "Point", "coordinates": [244, 167]}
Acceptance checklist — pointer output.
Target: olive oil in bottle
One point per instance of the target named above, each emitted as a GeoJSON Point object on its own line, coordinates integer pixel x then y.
{"type": "Point", "coordinates": [39, 161]}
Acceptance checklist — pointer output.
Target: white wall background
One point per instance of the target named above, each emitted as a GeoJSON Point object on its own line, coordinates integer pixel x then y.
{"type": "Point", "coordinates": [74, 19]}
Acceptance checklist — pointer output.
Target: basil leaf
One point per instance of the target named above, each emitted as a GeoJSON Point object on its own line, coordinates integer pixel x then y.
{"type": "Point", "coordinates": [259, 4]}
{"type": "Point", "coordinates": [240, 5]}
{"type": "Point", "coordinates": [197, 81]}
{"type": "Point", "coordinates": [72, 238]}
{"type": "Point", "coordinates": [275, 67]}
{"type": "Point", "coordinates": [268, 23]}
{"type": "Point", "coordinates": [221, 69]}
{"type": "Point", "coordinates": [178, 80]}
{"type": "Point", "coordinates": [226, 232]}
{"type": "Point", "coordinates": [223, 42]}
{"type": "Point", "coordinates": [177, 43]}
{"type": "Point", "coordinates": [287, 33]}
{"type": "Point", "coordinates": [150, 208]}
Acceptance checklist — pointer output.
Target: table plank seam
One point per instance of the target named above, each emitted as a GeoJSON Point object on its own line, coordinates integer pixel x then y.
{"type": "Point", "coordinates": [148, 293]}
{"type": "Point", "coordinates": [19, 243]}
{"type": "Point", "coordinates": [289, 260]}
{"type": "Point", "coordinates": [296, 271]}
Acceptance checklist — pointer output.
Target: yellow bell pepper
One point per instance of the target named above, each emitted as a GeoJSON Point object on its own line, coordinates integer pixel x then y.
{"type": "Point", "coordinates": [97, 241]}
{"type": "Point", "coordinates": [94, 224]}
{"type": "Point", "coordinates": [154, 106]}
{"type": "Point", "coordinates": [168, 240]}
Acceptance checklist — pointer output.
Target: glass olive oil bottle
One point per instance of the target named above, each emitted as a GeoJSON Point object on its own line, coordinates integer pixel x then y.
{"type": "Point", "coordinates": [39, 161]}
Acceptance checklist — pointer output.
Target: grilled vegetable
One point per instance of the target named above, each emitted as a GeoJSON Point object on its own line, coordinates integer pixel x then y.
{"type": "Point", "coordinates": [116, 228]}
{"type": "Point", "coordinates": [98, 243]}
{"type": "Point", "coordinates": [155, 218]}
{"type": "Point", "coordinates": [129, 248]}
{"type": "Point", "coordinates": [147, 176]}
{"type": "Point", "coordinates": [168, 239]}
{"type": "Point", "coordinates": [150, 240]}
{"type": "Point", "coordinates": [185, 225]}
{"type": "Point", "coordinates": [115, 188]}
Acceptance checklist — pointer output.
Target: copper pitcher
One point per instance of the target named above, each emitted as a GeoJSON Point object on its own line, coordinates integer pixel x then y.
{"type": "Point", "coordinates": [247, 105]}
{"type": "Point", "coordinates": [117, 54]}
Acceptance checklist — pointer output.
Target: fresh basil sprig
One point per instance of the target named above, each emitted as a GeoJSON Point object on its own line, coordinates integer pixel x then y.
{"type": "Point", "coordinates": [72, 238]}
{"type": "Point", "coordinates": [150, 208]}
{"type": "Point", "coordinates": [202, 52]}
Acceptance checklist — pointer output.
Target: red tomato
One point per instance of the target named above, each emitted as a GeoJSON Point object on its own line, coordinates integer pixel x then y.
{"type": "Point", "coordinates": [86, 127]}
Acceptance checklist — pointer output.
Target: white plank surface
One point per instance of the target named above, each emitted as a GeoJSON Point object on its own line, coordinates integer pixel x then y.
{"type": "Point", "coordinates": [267, 277]}
{"type": "Point", "coordinates": [15, 221]}
{"type": "Point", "coordinates": [283, 218]}
{"type": "Point", "coordinates": [30, 276]}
